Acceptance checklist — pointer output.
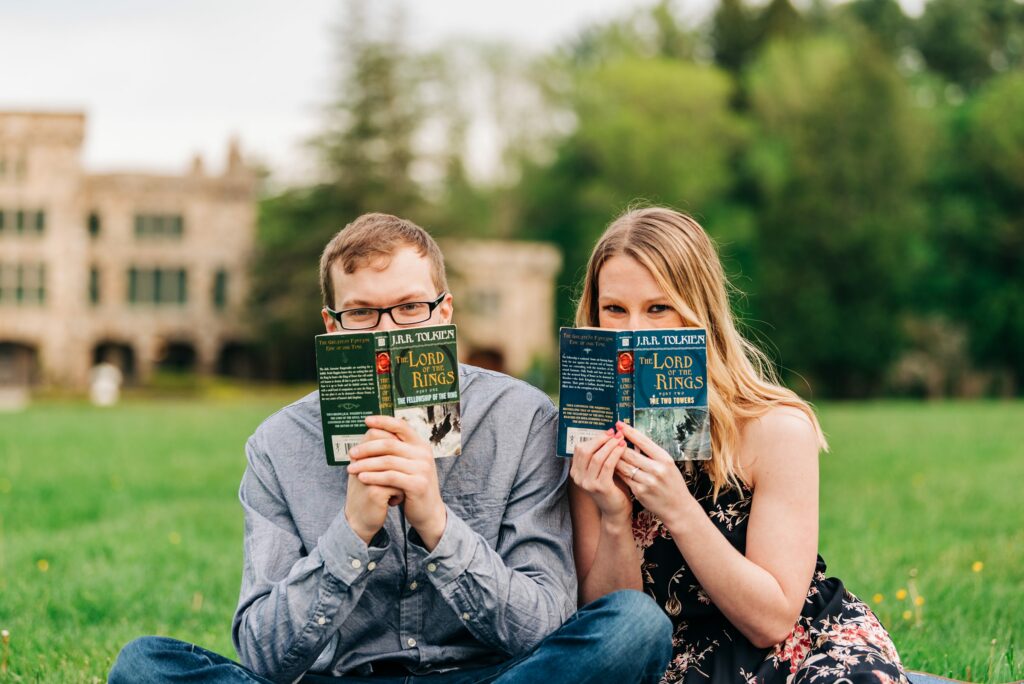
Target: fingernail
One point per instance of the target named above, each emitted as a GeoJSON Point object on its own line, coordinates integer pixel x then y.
{"type": "Point", "coordinates": [622, 442]}
{"type": "Point", "coordinates": [610, 431]}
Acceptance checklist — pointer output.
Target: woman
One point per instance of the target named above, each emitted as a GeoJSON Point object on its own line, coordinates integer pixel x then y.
{"type": "Point", "coordinates": [729, 547]}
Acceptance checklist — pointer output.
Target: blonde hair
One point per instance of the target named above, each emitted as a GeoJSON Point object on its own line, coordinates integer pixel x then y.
{"type": "Point", "coordinates": [742, 382]}
{"type": "Point", "coordinates": [374, 237]}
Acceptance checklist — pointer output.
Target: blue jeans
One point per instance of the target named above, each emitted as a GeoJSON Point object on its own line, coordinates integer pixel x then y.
{"type": "Point", "coordinates": [621, 637]}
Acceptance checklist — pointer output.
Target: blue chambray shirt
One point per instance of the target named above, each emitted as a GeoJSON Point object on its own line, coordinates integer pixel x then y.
{"type": "Point", "coordinates": [316, 598]}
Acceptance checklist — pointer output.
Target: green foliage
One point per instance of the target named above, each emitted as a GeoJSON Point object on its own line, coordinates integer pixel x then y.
{"type": "Point", "coordinates": [838, 157]}
{"type": "Point", "coordinates": [135, 512]}
{"type": "Point", "coordinates": [978, 224]}
{"type": "Point", "coordinates": [657, 129]}
{"type": "Point", "coordinates": [859, 168]}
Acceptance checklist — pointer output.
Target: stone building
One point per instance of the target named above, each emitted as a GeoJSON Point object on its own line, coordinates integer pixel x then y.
{"type": "Point", "coordinates": [504, 296]}
{"type": "Point", "coordinates": [151, 271]}
{"type": "Point", "coordinates": [142, 270]}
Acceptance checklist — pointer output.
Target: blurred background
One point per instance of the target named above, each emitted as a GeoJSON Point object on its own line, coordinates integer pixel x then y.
{"type": "Point", "coordinates": [170, 173]}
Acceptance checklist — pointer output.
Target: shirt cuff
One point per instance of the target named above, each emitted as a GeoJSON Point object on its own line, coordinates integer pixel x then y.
{"type": "Point", "coordinates": [453, 553]}
{"type": "Point", "coordinates": [346, 556]}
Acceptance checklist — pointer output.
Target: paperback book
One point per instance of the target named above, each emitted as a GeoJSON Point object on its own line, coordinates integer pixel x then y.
{"type": "Point", "coordinates": [410, 373]}
{"type": "Point", "coordinates": [655, 380]}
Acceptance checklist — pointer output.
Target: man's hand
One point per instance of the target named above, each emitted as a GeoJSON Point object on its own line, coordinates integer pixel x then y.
{"type": "Point", "coordinates": [366, 506]}
{"type": "Point", "coordinates": [403, 461]}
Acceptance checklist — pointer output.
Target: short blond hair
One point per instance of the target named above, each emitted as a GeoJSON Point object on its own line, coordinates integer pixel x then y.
{"type": "Point", "coordinates": [375, 238]}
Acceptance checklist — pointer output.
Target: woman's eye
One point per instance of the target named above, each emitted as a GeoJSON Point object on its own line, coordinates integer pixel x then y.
{"type": "Point", "coordinates": [613, 308]}
{"type": "Point", "coordinates": [659, 308]}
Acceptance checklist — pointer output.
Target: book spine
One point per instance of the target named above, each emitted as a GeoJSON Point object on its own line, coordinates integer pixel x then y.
{"type": "Point", "coordinates": [624, 377]}
{"type": "Point", "coordinates": [382, 366]}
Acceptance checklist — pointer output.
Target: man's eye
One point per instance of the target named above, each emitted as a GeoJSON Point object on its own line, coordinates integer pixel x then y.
{"type": "Point", "coordinates": [410, 307]}
{"type": "Point", "coordinates": [360, 313]}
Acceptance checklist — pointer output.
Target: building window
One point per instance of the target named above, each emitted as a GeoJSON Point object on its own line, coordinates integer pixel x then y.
{"type": "Point", "coordinates": [157, 286]}
{"type": "Point", "coordinates": [94, 285]}
{"type": "Point", "coordinates": [159, 226]}
{"type": "Point", "coordinates": [21, 221]}
{"type": "Point", "coordinates": [22, 283]}
{"type": "Point", "coordinates": [94, 225]}
{"type": "Point", "coordinates": [220, 289]}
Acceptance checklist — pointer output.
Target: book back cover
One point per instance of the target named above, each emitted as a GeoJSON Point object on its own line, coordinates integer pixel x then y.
{"type": "Point", "coordinates": [588, 391]}
{"type": "Point", "coordinates": [347, 375]}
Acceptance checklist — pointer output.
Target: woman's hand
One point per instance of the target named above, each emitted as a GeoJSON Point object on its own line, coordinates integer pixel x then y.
{"type": "Point", "coordinates": [652, 475]}
{"type": "Point", "coordinates": [593, 471]}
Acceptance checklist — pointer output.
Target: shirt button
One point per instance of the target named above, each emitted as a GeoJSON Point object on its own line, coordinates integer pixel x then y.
{"type": "Point", "coordinates": [412, 586]}
{"type": "Point", "coordinates": [371, 565]}
{"type": "Point", "coordinates": [411, 642]}
{"type": "Point", "coordinates": [432, 567]}
{"type": "Point", "coordinates": [465, 616]}
{"type": "Point", "coordinates": [356, 563]}
{"type": "Point", "coordinates": [321, 620]}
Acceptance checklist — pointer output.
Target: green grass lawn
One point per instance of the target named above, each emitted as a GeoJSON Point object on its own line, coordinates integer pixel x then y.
{"type": "Point", "coordinates": [123, 522]}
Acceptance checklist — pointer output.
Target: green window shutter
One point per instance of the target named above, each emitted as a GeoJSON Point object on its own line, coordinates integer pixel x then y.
{"type": "Point", "coordinates": [94, 285]}
{"type": "Point", "coordinates": [133, 285]}
{"type": "Point", "coordinates": [182, 292]}
{"type": "Point", "coordinates": [94, 224]}
{"type": "Point", "coordinates": [220, 289]}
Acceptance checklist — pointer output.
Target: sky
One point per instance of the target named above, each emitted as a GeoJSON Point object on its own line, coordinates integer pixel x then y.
{"type": "Point", "coordinates": [163, 80]}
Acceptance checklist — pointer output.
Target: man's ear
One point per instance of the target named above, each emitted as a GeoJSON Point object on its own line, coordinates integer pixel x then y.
{"type": "Point", "coordinates": [329, 323]}
{"type": "Point", "coordinates": [445, 309]}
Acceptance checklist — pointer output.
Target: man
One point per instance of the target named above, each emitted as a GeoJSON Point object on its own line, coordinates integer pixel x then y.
{"type": "Point", "coordinates": [400, 566]}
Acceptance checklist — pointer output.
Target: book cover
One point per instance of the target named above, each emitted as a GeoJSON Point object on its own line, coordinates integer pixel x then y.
{"type": "Point", "coordinates": [425, 381]}
{"type": "Point", "coordinates": [653, 379]}
{"type": "Point", "coordinates": [671, 395]}
{"type": "Point", "coordinates": [409, 373]}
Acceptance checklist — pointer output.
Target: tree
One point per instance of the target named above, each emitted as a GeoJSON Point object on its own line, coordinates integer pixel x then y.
{"type": "Point", "coordinates": [655, 129]}
{"type": "Point", "coordinates": [366, 155]}
{"type": "Point", "coordinates": [978, 217]}
{"type": "Point", "coordinates": [838, 160]}
{"type": "Point", "coordinates": [733, 35]}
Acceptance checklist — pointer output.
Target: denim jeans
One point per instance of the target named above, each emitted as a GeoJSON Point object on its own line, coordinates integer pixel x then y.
{"type": "Point", "coordinates": [621, 637]}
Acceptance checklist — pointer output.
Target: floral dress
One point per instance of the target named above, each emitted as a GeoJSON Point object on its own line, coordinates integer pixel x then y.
{"type": "Point", "coordinates": [836, 638]}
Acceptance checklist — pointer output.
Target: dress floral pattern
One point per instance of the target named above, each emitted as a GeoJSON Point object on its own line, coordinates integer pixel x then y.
{"type": "Point", "coordinates": [836, 638]}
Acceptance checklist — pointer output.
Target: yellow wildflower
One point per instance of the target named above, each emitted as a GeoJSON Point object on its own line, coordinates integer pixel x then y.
{"type": "Point", "coordinates": [43, 565]}
{"type": "Point", "coordinates": [901, 594]}
{"type": "Point", "coordinates": [907, 615]}
{"type": "Point", "coordinates": [977, 566]}
{"type": "Point", "coordinates": [877, 598]}
{"type": "Point", "coordinates": [919, 600]}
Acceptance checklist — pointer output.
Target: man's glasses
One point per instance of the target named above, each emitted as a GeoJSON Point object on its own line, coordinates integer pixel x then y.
{"type": "Point", "coordinates": [407, 313]}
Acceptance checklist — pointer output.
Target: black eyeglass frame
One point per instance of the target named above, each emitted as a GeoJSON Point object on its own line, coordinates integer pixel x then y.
{"type": "Point", "coordinates": [336, 315]}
